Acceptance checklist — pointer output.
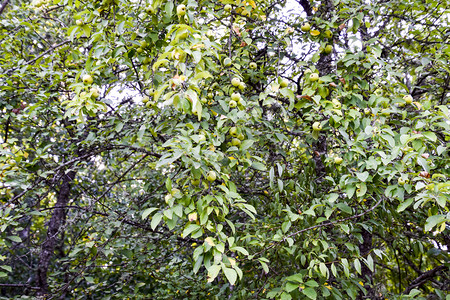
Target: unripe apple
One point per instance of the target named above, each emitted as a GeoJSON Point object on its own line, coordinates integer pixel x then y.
{"type": "Point", "coordinates": [147, 60]}
{"type": "Point", "coordinates": [144, 44]}
{"type": "Point", "coordinates": [235, 81]}
{"type": "Point", "coordinates": [195, 182]}
{"type": "Point", "coordinates": [408, 99]}
{"type": "Point", "coordinates": [317, 126]}
{"type": "Point", "coordinates": [87, 79]}
{"type": "Point", "coordinates": [235, 96]}
{"type": "Point", "coordinates": [253, 65]}
{"type": "Point", "coordinates": [168, 197]}
{"type": "Point", "coordinates": [401, 181]}
{"type": "Point", "coordinates": [139, 50]}
{"type": "Point", "coordinates": [241, 86]}
{"type": "Point", "coordinates": [94, 93]}
{"type": "Point", "coordinates": [181, 10]}
{"type": "Point", "coordinates": [150, 9]}
{"type": "Point", "coordinates": [328, 34]}
{"type": "Point", "coordinates": [328, 49]}
{"type": "Point", "coordinates": [227, 62]}
{"type": "Point", "coordinates": [151, 92]}
{"type": "Point", "coordinates": [235, 142]}
{"type": "Point", "coordinates": [227, 8]}
{"type": "Point", "coordinates": [284, 83]}
{"type": "Point", "coordinates": [305, 27]}
{"type": "Point", "coordinates": [192, 217]}
{"type": "Point", "coordinates": [338, 160]}
{"type": "Point", "coordinates": [314, 77]}
{"type": "Point", "coordinates": [385, 112]}
{"type": "Point", "coordinates": [145, 99]}
{"type": "Point", "coordinates": [79, 22]}
{"type": "Point", "coordinates": [233, 131]}
{"type": "Point", "coordinates": [241, 136]}
{"type": "Point", "coordinates": [232, 104]}
{"type": "Point", "coordinates": [211, 176]}
{"type": "Point", "coordinates": [336, 104]}
{"type": "Point", "coordinates": [175, 191]}
{"type": "Point", "coordinates": [367, 111]}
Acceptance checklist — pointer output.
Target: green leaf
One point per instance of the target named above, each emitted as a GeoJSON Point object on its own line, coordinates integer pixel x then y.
{"type": "Point", "coordinates": [190, 228]}
{"type": "Point", "coordinates": [148, 211]}
{"type": "Point", "coordinates": [291, 286]}
{"type": "Point", "coordinates": [357, 264]}
{"type": "Point", "coordinates": [155, 220]}
{"type": "Point", "coordinates": [433, 221]}
{"type": "Point", "coordinates": [230, 274]}
{"type": "Point", "coordinates": [258, 166]}
{"type": "Point", "coordinates": [310, 293]}
{"type": "Point", "coordinates": [15, 238]}
{"type": "Point", "coordinates": [362, 176]}
{"type": "Point", "coordinates": [404, 205]}
{"type": "Point", "coordinates": [213, 271]}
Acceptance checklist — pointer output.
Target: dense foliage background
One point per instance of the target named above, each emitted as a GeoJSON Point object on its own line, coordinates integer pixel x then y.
{"type": "Point", "coordinates": [227, 149]}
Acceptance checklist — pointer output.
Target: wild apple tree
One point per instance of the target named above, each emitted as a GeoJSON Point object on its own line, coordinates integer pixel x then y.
{"type": "Point", "coordinates": [228, 149]}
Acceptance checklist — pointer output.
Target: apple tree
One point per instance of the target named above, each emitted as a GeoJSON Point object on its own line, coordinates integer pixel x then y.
{"type": "Point", "coordinates": [224, 149]}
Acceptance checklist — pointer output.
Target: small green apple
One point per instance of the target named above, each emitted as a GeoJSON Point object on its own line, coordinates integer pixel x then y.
{"type": "Point", "coordinates": [328, 49]}
{"type": "Point", "coordinates": [232, 104]}
{"type": "Point", "coordinates": [192, 217]}
{"type": "Point", "coordinates": [305, 27]}
{"type": "Point", "coordinates": [284, 83]}
{"type": "Point", "coordinates": [317, 126]}
{"type": "Point", "coordinates": [168, 197]}
{"type": "Point", "coordinates": [79, 22]}
{"type": "Point", "coordinates": [235, 96]}
{"type": "Point", "coordinates": [338, 160]}
{"type": "Point", "coordinates": [336, 103]}
{"type": "Point", "coordinates": [367, 111]}
{"type": "Point", "coordinates": [151, 92]}
{"type": "Point", "coordinates": [150, 9]}
{"type": "Point", "coordinates": [241, 136]}
{"type": "Point", "coordinates": [95, 93]}
{"type": "Point", "coordinates": [236, 142]}
{"type": "Point", "coordinates": [175, 191]}
{"type": "Point", "coordinates": [87, 79]}
{"type": "Point", "coordinates": [144, 44]}
{"type": "Point", "coordinates": [227, 7]}
{"type": "Point", "coordinates": [401, 181]}
{"type": "Point", "coordinates": [328, 34]}
{"type": "Point", "coordinates": [181, 10]}
{"type": "Point", "coordinates": [233, 131]}
{"type": "Point", "coordinates": [253, 65]}
{"type": "Point", "coordinates": [195, 182]}
{"type": "Point", "coordinates": [145, 99]}
{"type": "Point", "coordinates": [227, 62]}
{"type": "Point", "coordinates": [235, 81]}
{"type": "Point", "coordinates": [211, 176]}
{"type": "Point", "coordinates": [139, 50]}
{"type": "Point", "coordinates": [408, 99]}
{"type": "Point", "coordinates": [314, 77]}
{"type": "Point", "coordinates": [241, 86]}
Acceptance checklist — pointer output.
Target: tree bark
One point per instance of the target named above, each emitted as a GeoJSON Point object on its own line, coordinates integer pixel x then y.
{"type": "Point", "coordinates": [366, 273]}
{"type": "Point", "coordinates": [54, 228]}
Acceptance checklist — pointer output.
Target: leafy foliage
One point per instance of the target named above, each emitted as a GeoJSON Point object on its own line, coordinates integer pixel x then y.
{"type": "Point", "coordinates": [228, 149]}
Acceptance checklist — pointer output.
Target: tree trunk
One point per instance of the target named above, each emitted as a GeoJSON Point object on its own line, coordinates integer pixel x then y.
{"type": "Point", "coordinates": [54, 228]}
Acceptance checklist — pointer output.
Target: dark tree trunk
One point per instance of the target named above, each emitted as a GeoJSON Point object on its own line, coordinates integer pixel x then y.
{"type": "Point", "coordinates": [367, 274]}
{"type": "Point", "coordinates": [54, 228]}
